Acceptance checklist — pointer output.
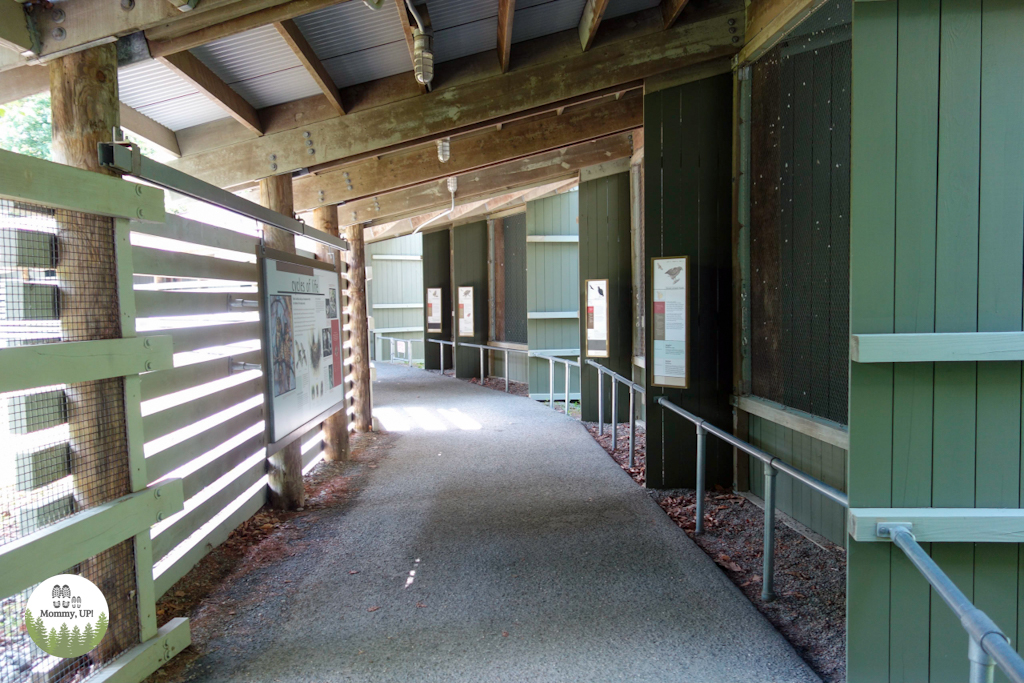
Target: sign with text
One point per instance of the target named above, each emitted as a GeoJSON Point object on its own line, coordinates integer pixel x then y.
{"type": "Point", "coordinates": [302, 363]}
{"type": "Point", "coordinates": [434, 309]}
{"type": "Point", "coordinates": [670, 318]}
{"type": "Point", "coordinates": [465, 311]}
{"type": "Point", "coordinates": [597, 318]}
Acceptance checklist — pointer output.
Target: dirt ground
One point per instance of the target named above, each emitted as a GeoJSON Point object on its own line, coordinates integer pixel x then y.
{"type": "Point", "coordinates": [810, 578]}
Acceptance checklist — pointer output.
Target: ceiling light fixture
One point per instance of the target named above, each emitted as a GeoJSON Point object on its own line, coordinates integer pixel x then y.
{"type": "Point", "coordinates": [422, 48]}
{"type": "Point", "coordinates": [444, 150]}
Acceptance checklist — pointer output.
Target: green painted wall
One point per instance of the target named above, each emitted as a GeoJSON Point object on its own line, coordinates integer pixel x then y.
{"type": "Point", "coordinates": [818, 459]}
{"type": "Point", "coordinates": [396, 282]}
{"type": "Point", "coordinates": [688, 212]}
{"type": "Point", "coordinates": [437, 272]}
{"type": "Point", "coordinates": [604, 253]}
{"type": "Point", "coordinates": [937, 245]}
{"type": "Point", "coordinates": [469, 269]}
{"type": "Point", "coordinates": [552, 285]}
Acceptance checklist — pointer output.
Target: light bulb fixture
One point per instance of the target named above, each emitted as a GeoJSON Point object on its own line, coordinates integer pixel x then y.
{"type": "Point", "coordinates": [423, 55]}
{"type": "Point", "coordinates": [444, 150]}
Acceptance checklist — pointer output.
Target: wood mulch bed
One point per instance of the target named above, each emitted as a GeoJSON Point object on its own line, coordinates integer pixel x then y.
{"type": "Point", "coordinates": [810, 577]}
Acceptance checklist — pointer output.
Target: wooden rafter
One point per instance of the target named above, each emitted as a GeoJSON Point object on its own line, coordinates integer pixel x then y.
{"type": "Point", "coordinates": [555, 79]}
{"type": "Point", "coordinates": [593, 12]}
{"type": "Point", "coordinates": [487, 148]}
{"type": "Point", "coordinates": [407, 26]}
{"type": "Point", "coordinates": [540, 169]}
{"type": "Point", "coordinates": [506, 12]}
{"type": "Point", "coordinates": [188, 66]}
{"type": "Point", "coordinates": [147, 128]}
{"type": "Point", "coordinates": [23, 81]}
{"type": "Point", "coordinates": [671, 9]}
{"type": "Point", "coordinates": [15, 34]}
{"type": "Point", "coordinates": [289, 30]}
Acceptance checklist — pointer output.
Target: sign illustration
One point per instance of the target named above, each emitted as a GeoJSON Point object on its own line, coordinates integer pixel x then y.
{"type": "Point", "coordinates": [66, 616]}
{"type": "Point", "coordinates": [671, 322]}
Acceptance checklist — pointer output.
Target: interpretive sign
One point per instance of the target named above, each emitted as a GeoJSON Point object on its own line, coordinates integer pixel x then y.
{"type": "Point", "coordinates": [465, 311]}
{"type": "Point", "coordinates": [597, 318]}
{"type": "Point", "coordinates": [433, 309]}
{"type": "Point", "coordinates": [670, 318]}
{"type": "Point", "coordinates": [302, 363]}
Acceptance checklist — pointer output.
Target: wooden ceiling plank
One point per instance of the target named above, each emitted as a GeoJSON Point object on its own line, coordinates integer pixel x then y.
{"type": "Point", "coordinates": [188, 66]}
{"type": "Point", "coordinates": [460, 107]}
{"type": "Point", "coordinates": [506, 12]}
{"type": "Point", "coordinates": [289, 30]}
{"type": "Point", "coordinates": [671, 9]}
{"type": "Point", "coordinates": [593, 12]}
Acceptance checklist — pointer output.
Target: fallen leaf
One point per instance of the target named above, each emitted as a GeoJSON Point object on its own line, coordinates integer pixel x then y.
{"type": "Point", "coordinates": [504, 634]}
{"type": "Point", "coordinates": [374, 608]}
{"type": "Point", "coordinates": [180, 594]}
{"type": "Point", "coordinates": [420, 604]}
{"type": "Point", "coordinates": [354, 571]}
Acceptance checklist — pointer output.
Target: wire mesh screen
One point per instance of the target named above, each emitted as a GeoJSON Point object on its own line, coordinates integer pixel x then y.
{"type": "Point", "coordinates": [515, 278]}
{"type": "Point", "coordinates": [65, 446]}
{"type": "Point", "coordinates": [800, 227]}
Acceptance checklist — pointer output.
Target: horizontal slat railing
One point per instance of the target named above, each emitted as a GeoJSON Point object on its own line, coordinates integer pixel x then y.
{"type": "Point", "coordinates": [156, 384]}
{"type": "Point", "coordinates": [176, 264]}
{"type": "Point", "coordinates": [208, 336]}
{"type": "Point", "coordinates": [207, 473]}
{"type": "Point", "coordinates": [195, 232]}
{"type": "Point", "coordinates": [167, 421]}
{"type": "Point", "coordinates": [160, 303]}
{"type": "Point", "coordinates": [161, 464]}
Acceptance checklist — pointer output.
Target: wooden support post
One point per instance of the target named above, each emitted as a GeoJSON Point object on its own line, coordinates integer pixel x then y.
{"type": "Point", "coordinates": [284, 467]}
{"type": "Point", "coordinates": [85, 111]}
{"type": "Point", "coordinates": [325, 218]}
{"type": "Point", "coordinates": [360, 333]}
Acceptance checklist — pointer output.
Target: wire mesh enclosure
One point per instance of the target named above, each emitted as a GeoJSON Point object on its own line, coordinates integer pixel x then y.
{"type": "Point", "coordinates": [515, 278]}
{"type": "Point", "coordinates": [65, 446]}
{"type": "Point", "coordinates": [799, 215]}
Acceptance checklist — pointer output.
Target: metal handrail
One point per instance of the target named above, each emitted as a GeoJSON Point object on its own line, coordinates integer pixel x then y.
{"type": "Point", "coordinates": [551, 377]}
{"type": "Point", "coordinates": [440, 350]}
{"type": "Point", "coordinates": [391, 347]}
{"type": "Point", "coordinates": [484, 347]}
{"type": "Point", "coordinates": [633, 389]}
{"type": "Point", "coordinates": [987, 645]}
{"type": "Point", "coordinates": [773, 464]}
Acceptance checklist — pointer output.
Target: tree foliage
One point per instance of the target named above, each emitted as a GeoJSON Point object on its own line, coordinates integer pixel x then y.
{"type": "Point", "coordinates": [25, 126]}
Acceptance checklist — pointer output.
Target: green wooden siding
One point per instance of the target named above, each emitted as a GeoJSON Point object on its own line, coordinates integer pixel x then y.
{"type": "Point", "coordinates": [437, 272]}
{"type": "Point", "coordinates": [395, 286]}
{"type": "Point", "coordinates": [687, 212]}
{"type": "Point", "coordinates": [552, 285]}
{"type": "Point", "coordinates": [818, 459]}
{"type": "Point", "coordinates": [937, 245]}
{"type": "Point", "coordinates": [605, 254]}
{"type": "Point", "coordinates": [469, 269]}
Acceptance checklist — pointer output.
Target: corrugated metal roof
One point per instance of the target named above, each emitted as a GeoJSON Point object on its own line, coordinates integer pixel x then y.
{"type": "Point", "coordinates": [278, 87]}
{"type": "Point", "coordinates": [154, 90]}
{"type": "Point", "coordinates": [351, 27]}
{"type": "Point", "coordinates": [445, 14]}
{"type": "Point", "coordinates": [545, 19]}
{"type": "Point", "coordinates": [368, 65]}
{"type": "Point", "coordinates": [465, 39]}
{"type": "Point", "coordinates": [618, 8]}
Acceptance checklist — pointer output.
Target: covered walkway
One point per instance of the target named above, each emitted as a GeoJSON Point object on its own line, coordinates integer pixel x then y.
{"type": "Point", "coordinates": [500, 543]}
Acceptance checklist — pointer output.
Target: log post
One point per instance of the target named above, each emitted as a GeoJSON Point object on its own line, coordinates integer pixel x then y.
{"type": "Point", "coordinates": [359, 328]}
{"type": "Point", "coordinates": [284, 468]}
{"type": "Point", "coordinates": [84, 112]}
{"type": "Point", "coordinates": [325, 218]}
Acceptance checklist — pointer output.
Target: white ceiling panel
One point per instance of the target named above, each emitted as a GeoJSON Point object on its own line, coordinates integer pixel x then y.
{"type": "Point", "coordinates": [351, 27]}
{"type": "Point", "coordinates": [184, 112]}
{"type": "Point", "coordinates": [466, 39]}
{"type": "Point", "coordinates": [369, 65]}
{"type": "Point", "coordinates": [545, 19]}
{"type": "Point", "coordinates": [445, 14]}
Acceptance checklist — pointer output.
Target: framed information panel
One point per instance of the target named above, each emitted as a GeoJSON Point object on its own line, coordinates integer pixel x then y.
{"type": "Point", "coordinates": [465, 311]}
{"type": "Point", "coordinates": [597, 318]}
{"type": "Point", "coordinates": [433, 309]}
{"type": "Point", "coordinates": [670, 318]}
{"type": "Point", "coordinates": [302, 364]}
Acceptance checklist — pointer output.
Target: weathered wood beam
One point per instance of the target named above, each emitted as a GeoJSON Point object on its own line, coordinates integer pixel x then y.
{"type": "Point", "coordinates": [490, 182]}
{"type": "Point", "coordinates": [516, 140]}
{"type": "Point", "coordinates": [407, 26]}
{"type": "Point", "coordinates": [767, 20]}
{"type": "Point", "coordinates": [506, 12]}
{"type": "Point", "coordinates": [145, 127]}
{"type": "Point", "coordinates": [23, 82]}
{"type": "Point", "coordinates": [671, 9]}
{"type": "Point", "coordinates": [16, 32]}
{"type": "Point", "coordinates": [184, 5]}
{"type": "Point", "coordinates": [610, 65]}
{"type": "Point", "coordinates": [593, 12]}
{"type": "Point", "coordinates": [359, 349]}
{"type": "Point", "coordinates": [188, 66]}
{"type": "Point", "coordinates": [300, 46]}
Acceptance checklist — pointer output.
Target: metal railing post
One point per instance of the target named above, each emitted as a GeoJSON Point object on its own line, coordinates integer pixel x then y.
{"type": "Point", "coordinates": [506, 371]}
{"type": "Point", "coordinates": [481, 366]}
{"type": "Point", "coordinates": [391, 350]}
{"type": "Point", "coordinates": [408, 358]}
{"type": "Point", "coordinates": [600, 400]}
{"type": "Point", "coordinates": [632, 425]}
{"type": "Point", "coordinates": [567, 371]}
{"type": "Point", "coordinates": [983, 667]}
{"type": "Point", "coordinates": [615, 414]}
{"type": "Point", "coordinates": [701, 471]}
{"type": "Point", "coordinates": [768, 572]}
{"type": "Point", "coordinates": [440, 349]}
{"type": "Point", "coordinates": [551, 383]}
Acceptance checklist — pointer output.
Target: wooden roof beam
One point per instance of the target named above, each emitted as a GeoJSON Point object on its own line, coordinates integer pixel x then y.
{"type": "Point", "coordinates": [506, 12]}
{"type": "Point", "coordinates": [671, 9]}
{"type": "Point", "coordinates": [289, 30]}
{"type": "Point", "coordinates": [593, 12]}
{"type": "Point", "coordinates": [188, 66]}
{"type": "Point", "coordinates": [15, 33]}
{"type": "Point", "coordinates": [145, 127]}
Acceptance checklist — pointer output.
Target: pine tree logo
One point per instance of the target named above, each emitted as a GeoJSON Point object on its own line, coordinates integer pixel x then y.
{"type": "Point", "coordinates": [66, 616]}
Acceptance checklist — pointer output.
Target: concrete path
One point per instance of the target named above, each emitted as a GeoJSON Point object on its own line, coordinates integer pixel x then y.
{"type": "Point", "coordinates": [500, 543]}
